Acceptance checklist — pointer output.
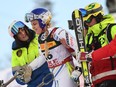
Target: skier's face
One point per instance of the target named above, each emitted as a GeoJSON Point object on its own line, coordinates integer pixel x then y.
{"type": "Point", "coordinates": [36, 27]}
{"type": "Point", "coordinates": [90, 22]}
{"type": "Point", "coordinates": [22, 35]}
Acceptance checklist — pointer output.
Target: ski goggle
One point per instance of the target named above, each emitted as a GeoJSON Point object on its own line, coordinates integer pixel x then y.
{"type": "Point", "coordinates": [30, 16]}
{"type": "Point", "coordinates": [89, 19]}
{"type": "Point", "coordinates": [16, 26]}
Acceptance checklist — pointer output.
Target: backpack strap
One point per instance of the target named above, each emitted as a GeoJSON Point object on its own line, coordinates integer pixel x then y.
{"type": "Point", "coordinates": [108, 31]}
{"type": "Point", "coordinates": [109, 37]}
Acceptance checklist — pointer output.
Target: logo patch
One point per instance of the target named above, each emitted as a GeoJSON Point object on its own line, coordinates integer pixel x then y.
{"type": "Point", "coordinates": [49, 44]}
{"type": "Point", "coordinates": [91, 6]}
{"type": "Point", "coordinates": [19, 53]}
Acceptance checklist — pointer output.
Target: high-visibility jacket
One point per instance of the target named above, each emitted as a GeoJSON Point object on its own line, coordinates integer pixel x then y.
{"type": "Point", "coordinates": [105, 68]}
{"type": "Point", "coordinates": [24, 56]}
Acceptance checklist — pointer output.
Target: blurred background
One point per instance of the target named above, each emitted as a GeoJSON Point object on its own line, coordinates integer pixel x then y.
{"type": "Point", "coordinates": [15, 10]}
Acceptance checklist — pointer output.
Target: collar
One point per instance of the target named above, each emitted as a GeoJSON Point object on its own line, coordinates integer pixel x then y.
{"type": "Point", "coordinates": [97, 28]}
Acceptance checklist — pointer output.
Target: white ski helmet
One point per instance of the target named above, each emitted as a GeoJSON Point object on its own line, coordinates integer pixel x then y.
{"type": "Point", "coordinates": [14, 27]}
{"type": "Point", "coordinates": [41, 14]}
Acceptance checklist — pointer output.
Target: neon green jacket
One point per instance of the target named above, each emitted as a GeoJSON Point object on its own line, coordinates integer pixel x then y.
{"type": "Point", "coordinates": [97, 28]}
{"type": "Point", "coordinates": [25, 53]}
{"type": "Point", "coordinates": [96, 40]}
{"type": "Point", "coordinates": [23, 56]}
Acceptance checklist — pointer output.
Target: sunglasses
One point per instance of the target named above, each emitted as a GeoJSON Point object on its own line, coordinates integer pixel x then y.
{"type": "Point", "coordinates": [89, 19]}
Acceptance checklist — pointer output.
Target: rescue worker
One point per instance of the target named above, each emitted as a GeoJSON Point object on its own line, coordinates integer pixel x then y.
{"type": "Point", "coordinates": [25, 50]}
{"type": "Point", "coordinates": [101, 29]}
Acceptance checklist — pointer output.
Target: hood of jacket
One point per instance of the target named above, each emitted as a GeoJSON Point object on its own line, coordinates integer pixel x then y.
{"type": "Point", "coordinates": [97, 28]}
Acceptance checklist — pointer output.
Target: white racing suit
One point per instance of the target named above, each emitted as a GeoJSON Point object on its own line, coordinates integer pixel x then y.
{"type": "Point", "coordinates": [59, 58]}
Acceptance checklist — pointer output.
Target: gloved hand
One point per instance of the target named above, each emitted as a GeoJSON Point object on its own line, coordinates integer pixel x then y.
{"type": "Point", "coordinates": [27, 74]}
{"type": "Point", "coordinates": [76, 74]}
{"type": "Point", "coordinates": [85, 56]}
{"type": "Point", "coordinates": [24, 74]}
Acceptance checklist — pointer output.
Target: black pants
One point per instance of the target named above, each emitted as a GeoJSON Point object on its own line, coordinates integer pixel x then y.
{"type": "Point", "coordinates": [107, 83]}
